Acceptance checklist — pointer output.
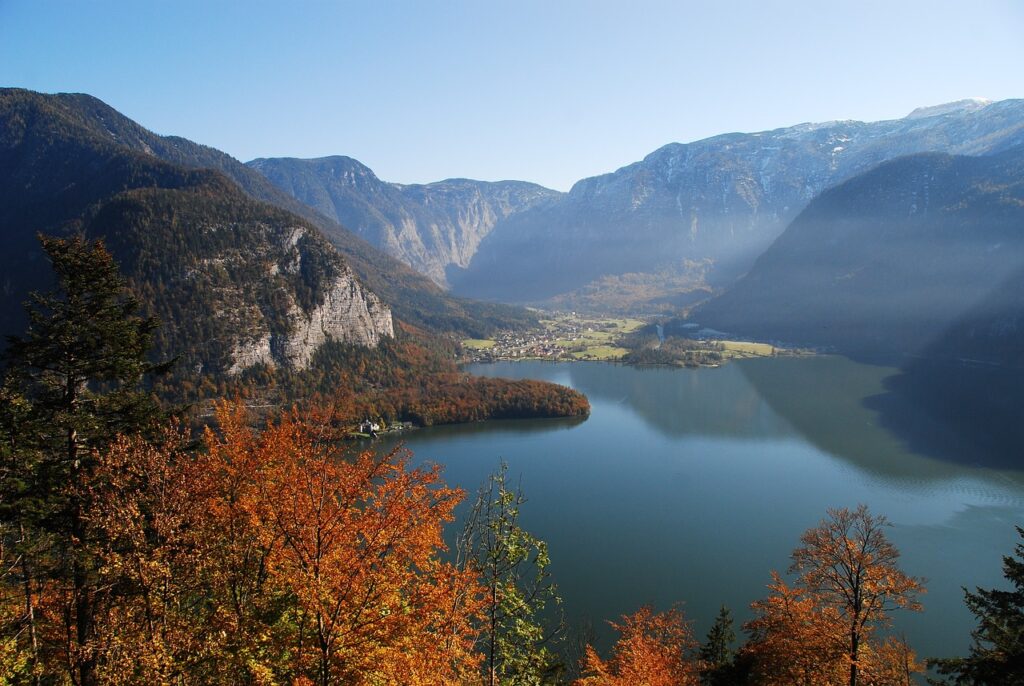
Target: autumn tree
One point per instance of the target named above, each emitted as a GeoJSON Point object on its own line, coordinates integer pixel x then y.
{"type": "Point", "coordinates": [794, 641]}
{"type": "Point", "coordinates": [146, 521]}
{"type": "Point", "coordinates": [354, 540]}
{"type": "Point", "coordinates": [20, 551]}
{"type": "Point", "coordinates": [653, 649]}
{"type": "Point", "coordinates": [848, 563]}
{"type": "Point", "coordinates": [513, 566]}
{"type": "Point", "coordinates": [75, 376]}
{"type": "Point", "coordinates": [997, 653]}
{"type": "Point", "coordinates": [246, 607]}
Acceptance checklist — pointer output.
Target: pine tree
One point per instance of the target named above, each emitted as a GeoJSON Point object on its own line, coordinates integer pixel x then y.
{"type": "Point", "coordinates": [997, 655]}
{"type": "Point", "coordinates": [717, 653]}
{"type": "Point", "coordinates": [76, 375]}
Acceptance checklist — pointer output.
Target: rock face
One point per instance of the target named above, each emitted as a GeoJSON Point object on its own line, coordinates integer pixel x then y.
{"type": "Point", "coordinates": [429, 227]}
{"type": "Point", "coordinates": [348, 314]}
{"type": "Point", "coordinates": [724, 198]}
{"type": "Point", "coordinates": [921, 255]}
{"type": "Point", "coordinates": [246, 285]}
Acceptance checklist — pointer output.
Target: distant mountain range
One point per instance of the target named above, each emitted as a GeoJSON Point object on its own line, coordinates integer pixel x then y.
{"type": "Point", "coordinates": [903, 235]}
{"type": "Point", "coordinates": [414, 298]}
{"type": "Point", "coordinates": [922, 255]}
{"type": "Point", "coordinates": [428, 226]}
{"type": "Point", "coordinates": [653, 235]}
{"type": "Point", "coordinates": [723, 199]}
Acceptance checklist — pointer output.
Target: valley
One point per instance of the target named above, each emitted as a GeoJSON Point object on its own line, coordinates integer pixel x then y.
{"type": "Point", "coordinates": [562, 337]}
{"type": "Point", "coordinates": [683, 362]}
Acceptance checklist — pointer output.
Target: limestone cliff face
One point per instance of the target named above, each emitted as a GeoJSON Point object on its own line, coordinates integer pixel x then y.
{"type": "Point", "coordinates": [338, 309]}
{"type": "Point", "coordinates": [430, 227]}
{"type": "Point", "coordinates": [348, 314]}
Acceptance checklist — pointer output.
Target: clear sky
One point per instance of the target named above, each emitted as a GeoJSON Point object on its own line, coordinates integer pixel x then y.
{"type": "Point", "coordinates": [549, 91]}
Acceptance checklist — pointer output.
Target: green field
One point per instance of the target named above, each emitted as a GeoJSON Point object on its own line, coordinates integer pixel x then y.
{"type": "Point", "coordinates": [626, 325]}
{"type": "Point", "coordinates": [735, 349]}
{"type": "Point", "coordinates": [599, 352]}
{"type": "Point", "coordinates": [478, 343]}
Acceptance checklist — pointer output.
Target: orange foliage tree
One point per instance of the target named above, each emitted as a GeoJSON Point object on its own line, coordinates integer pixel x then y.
{"type": "Point", "coordinates": [793, 641]}
{"type": "Point", "coordinates": [354, 543]}
{"type": "Point", "coordinates": [654, 649]}
{"type": "Point", "coordinates": [149, 553]}
{"type": "Point", "coordinates": [273, 557]}
{"type": "Point", "coordinates": [822, 630]}
{"type": "Point", "coordinates": [849, 563]}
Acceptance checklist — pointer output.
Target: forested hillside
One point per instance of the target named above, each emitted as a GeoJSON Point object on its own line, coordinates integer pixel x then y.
{"type": "Point", "coordinates": [919, 255]}
{"type": "Point", "coordinates": [251, 298]}
{"type": "Point", "coordinates": [72, 116]}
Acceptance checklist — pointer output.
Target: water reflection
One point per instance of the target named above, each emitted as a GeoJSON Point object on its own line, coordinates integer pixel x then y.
{"type": "Point", "coordinates": [693, 484]}
{"type": "Point", "coordinates": [674, 402]}
{"type": "Point", "coordinates": [899, 424]}
{"type": "Point", "coordinates": [917, 422]}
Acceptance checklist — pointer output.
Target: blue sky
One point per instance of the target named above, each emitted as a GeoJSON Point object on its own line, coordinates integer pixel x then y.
{"type": "Point", "coordinates": [543, 91]}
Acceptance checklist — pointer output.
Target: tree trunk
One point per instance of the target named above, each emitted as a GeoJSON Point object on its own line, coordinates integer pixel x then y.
{"type": "Point", "coordinates": [30, 609]}
{"type": "Point", "coordinates": [854, 647]}
{"type": "Point", "coordinates": [83, 607]}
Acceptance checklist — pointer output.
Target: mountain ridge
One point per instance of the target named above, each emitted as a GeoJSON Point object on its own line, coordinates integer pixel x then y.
{"type": "Point", "coordinates": [891, 260]}
{"type": "Point", "coordinates": [413, 297]}
{"type": "Point", "coordinates": [189, 240]}
{"type": "Point", "coordinates": [723, 198]}
{"type": "Point", "coordinates": [428, 226]}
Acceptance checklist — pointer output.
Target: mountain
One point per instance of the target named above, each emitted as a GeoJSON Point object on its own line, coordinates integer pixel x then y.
{"type": "Point", "coordinates": [722, 199]}
{"type": "Point", "coordinates": [414, 298]}
{"type": "Point", "coordinates": [237, 283]}
{"type": "Point", "coordinates": [427, 226]}
{"type": "Point", "coordinates": [921, 255]}
{"type": "Point", "coordinates": [253, 300]}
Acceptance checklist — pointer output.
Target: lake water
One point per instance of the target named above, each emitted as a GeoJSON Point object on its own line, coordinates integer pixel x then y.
{"type": "Point", "coordinates": [691, 485]}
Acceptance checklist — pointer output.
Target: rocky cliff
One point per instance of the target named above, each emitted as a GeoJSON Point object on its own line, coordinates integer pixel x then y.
{"type": "Point", "coordinates": [428, 226]}
{"type": "Point", "coordinates": [724, 199]}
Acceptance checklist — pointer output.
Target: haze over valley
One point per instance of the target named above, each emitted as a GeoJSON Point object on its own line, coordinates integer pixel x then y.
{"type": "Point", "coordinates": [505, 344]}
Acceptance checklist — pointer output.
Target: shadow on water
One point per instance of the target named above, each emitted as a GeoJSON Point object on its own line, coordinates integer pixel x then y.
{"type": "Point", "coordinates": [963, 413]}
{"type": "Point", "coordinates": [880, 417]}
{"type": "Point", "coordinates": [920, 422]}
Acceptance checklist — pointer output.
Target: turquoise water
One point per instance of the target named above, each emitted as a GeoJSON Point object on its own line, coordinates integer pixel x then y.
{"type": "Point", "coordinates": [691, 485]}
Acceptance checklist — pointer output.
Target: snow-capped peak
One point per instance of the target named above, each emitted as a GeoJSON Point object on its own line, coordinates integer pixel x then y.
{"type": "Point", "coordinates": [966, 105]}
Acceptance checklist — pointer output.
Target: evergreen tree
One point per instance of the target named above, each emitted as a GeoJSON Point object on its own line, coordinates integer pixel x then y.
{"type": "Point", "coordinates": [717, 653]}
{"type": "Point", "coordinates": [513, 565]}
{"type": "Point", "coordinates": [997, 655]}
{"type": "Point", "coordinates": [75, 376]}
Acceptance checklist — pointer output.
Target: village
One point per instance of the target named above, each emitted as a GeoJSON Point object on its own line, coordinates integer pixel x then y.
{"type": "Point", "coordinates": [571, 337]}
{"type": "Point", "coordinates": [564, 336]}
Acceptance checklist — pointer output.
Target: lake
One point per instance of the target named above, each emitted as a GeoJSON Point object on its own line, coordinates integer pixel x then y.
{"type": "Point", "coordinates": [690, 485]}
